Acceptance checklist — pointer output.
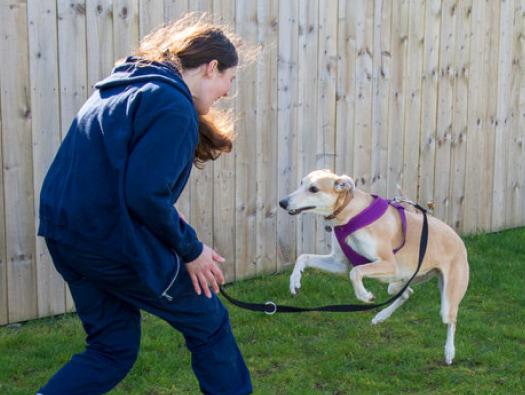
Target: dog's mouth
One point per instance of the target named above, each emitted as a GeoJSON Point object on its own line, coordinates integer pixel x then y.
{"type": "Point", "coordinates": [296, 211]}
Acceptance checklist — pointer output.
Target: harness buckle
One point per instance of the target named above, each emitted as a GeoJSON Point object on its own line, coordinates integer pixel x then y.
{"type": "Point", "coordinates": [399, 199]}
{"type": "Point", "coordinates": [274, 308]}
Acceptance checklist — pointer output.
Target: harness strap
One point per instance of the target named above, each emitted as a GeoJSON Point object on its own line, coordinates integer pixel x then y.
{"type": "Point", "coordinates": [272, 308]}
{"type": "Point", "coordinates": [402, 214]}
{"type": "Point", "coordinates": [369, 215]}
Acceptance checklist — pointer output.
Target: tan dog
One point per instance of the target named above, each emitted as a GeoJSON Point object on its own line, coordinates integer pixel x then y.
{"type": "Point", "coordinates": [325, 193]}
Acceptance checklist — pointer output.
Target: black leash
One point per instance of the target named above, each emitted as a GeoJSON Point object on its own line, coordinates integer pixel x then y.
{"type": "Point", "coordinates": [272, 308]}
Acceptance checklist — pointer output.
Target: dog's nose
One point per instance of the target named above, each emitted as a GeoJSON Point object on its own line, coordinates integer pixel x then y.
{"type": "Point", "coordinates": [284, 203]}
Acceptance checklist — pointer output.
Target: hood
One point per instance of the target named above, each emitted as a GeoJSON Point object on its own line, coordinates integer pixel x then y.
{"type": "Point", "coordinates": [133, 71]}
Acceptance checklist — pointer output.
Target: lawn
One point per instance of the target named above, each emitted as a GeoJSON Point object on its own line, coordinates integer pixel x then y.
{"type": "Point", "coordinates": [325, 353]}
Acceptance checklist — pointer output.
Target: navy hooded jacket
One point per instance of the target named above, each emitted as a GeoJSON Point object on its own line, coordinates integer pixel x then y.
{"type": "Point", "coordinates": [123, 164]}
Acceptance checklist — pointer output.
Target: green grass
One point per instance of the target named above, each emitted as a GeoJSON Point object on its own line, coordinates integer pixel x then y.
{"type": "Point", "coordinates": [325, 353]}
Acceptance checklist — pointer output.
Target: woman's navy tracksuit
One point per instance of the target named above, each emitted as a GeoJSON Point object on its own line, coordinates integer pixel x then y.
{"type": "Point", "coordinates": [107, 213]}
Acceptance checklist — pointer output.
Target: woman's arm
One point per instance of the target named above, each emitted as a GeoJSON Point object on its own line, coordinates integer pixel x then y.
{"type": "Point", "coordinates": [154, 166]}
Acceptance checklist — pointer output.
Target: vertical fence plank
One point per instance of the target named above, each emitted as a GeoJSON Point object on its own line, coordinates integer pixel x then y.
{"type": "Point", "coordinates": [17, 162]}
{"type": "Point", "coordinates": [346, 88]}
{"type": "Point", "coordinates": [396, 110]}
{"type": "Point", "coordinates": [151, 16]}
{"type": "Point", "coordinates": [125, 27]}
{"type": "Point", "coordinates": [266, 137]}
{"type": "Point", "coordinates": [327, 74]}
{"type": "Point", "coordinates": [521, 115]}
{"type": "Point", "coordinates": [72, 59]}
{"type": "Point", "coordinates": [413, 98]}
{"type": "Point", "coordinates": [459, 116]}
{"type": "Point", "coordinates": [100, 52]}
{"type": "Point", "coordinates": [429, 89]}
{"type": "Point", "coordinates": [326, 103]}
{"type": "Point", "coordinates": [3, 257]}
{"type": "Point", "coordinates": [444, 113]}
{"type": "Point", "coordinates": [473, 179]}
{"type": "Point", "coordinates": [491, 121]}
{"type": "Point", "coordinates": [307, 113]}
{"type": "Point", "coordinates": [503, 117]}
{"type": "Point", "coordinates": [362, 153]}
{"type": "Point", "coordinates": [380, 85]}
{"type": "Point", "coordinates": [245, 166]}
{"type": "Point", "coordinates": [224, 172]}
{"type": "Point", "coordinates": [72, 68]}
{"type": "Point", "coordinates": [514, 163]}
{"type": "Point", "coordinates": [287, 90]}
{"type": "Point", "coordinates": [516, 196]}
{"type": "Point", "coordinates": [43, 55]}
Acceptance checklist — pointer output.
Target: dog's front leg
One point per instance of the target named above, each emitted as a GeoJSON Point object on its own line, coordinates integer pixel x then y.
{"type": "Point", "coordinates": [328, 263]}
{"type": "Point", "coordinates": [378, 269]}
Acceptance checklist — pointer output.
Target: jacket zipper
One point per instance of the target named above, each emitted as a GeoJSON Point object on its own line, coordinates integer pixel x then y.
{"type": "Point", "coordinates": [165, 293]}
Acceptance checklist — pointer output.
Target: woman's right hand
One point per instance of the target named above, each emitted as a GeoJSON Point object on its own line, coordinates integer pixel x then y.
{"type": "Point", "coordinates": [205, 273]}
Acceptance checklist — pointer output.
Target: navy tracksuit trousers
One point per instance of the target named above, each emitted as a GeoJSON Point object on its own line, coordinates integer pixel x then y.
{"type": "Point", "coordinates": [109, 296]}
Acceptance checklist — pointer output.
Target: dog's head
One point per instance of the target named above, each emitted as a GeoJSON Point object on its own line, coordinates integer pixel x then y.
{"type": "Point", "coordinates": [320, 192]}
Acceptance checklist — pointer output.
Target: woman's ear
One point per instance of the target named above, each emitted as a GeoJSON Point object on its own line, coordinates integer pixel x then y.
{"type": "Point", "coordinates": [344, 183]}
{"type": "Point", "coordinates": [212, 67]}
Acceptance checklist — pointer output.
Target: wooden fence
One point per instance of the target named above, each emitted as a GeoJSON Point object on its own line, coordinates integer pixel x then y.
{"type": "Point", "coordinates": [423, 97]}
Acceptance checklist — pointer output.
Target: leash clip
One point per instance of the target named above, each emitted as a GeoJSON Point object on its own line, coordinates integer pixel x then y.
{"type": "Point", "coordinates": [430, 205]}
{"type": "Point", "coordinates": [274, 308]}
{"type": "Point", "coordinates": [399, 199]}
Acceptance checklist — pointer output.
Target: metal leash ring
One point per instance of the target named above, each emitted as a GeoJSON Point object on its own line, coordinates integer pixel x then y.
{"type": "Point", "coordinates": [274, 308]}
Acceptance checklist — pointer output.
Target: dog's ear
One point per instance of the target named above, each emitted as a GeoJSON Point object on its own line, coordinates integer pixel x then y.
{"type": "Point", "coordinates": [344, 183]}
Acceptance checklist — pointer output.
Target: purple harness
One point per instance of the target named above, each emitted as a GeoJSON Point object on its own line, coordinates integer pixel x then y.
{"type": "Point", "coordinates": [370, 214]}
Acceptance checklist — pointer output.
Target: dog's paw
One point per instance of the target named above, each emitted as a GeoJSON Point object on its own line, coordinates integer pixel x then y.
{"type": "Point", "coordinates": [295, 282]}
{"type": "Point", "coordinates": [366, 296]}
{"type": "Point", "coordinates": [380, 317]}
{"type": "Point", "coordinates": [450, 353]}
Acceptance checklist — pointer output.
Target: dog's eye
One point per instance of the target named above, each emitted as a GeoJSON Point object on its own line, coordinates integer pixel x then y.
{"type": "Point", "coordinates": [313, 189]}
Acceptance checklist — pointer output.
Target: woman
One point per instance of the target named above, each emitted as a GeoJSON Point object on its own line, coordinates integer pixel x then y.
{"type": "Point", "coordinates": [107, 211]}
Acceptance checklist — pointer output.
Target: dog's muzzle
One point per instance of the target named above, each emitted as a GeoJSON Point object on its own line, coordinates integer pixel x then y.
{"type": "Point", "coordinates": [300, 210]}
{"type": "Point", "coordinates": [284, 204]}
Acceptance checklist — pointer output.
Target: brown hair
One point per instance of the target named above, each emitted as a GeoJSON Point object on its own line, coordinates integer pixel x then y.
{"type": "Point", "coordinates": [188, 43]}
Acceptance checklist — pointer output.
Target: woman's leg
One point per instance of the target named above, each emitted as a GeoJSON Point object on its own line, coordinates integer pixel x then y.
{"type": "Point", "coordinates": [216, 359]}
{"type": "Point", "coordinates": [113, 336]}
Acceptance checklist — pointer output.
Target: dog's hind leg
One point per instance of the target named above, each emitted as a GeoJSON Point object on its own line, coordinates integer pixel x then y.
{"type": "Point", "coordinates": [394, 288]}
{"type": "Point", "coordinates": [388, 311]}
{"type": "Point", "coordinates": [453, 285]}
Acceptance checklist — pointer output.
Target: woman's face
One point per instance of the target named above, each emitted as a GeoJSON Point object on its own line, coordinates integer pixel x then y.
{"type": "Point", "coordinates": [214, 85]}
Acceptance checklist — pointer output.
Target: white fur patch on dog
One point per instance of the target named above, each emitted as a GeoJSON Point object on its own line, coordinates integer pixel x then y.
{"type": "Point", "coordinates": [364, 244]}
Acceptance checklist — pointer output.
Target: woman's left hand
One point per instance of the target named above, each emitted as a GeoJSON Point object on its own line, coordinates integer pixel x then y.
{"type": "Point", "coordinates": [205, 273]}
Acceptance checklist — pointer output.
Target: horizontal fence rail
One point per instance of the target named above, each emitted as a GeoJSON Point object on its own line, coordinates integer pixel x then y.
{"type": "Point", "coordinates": [419, 98]}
